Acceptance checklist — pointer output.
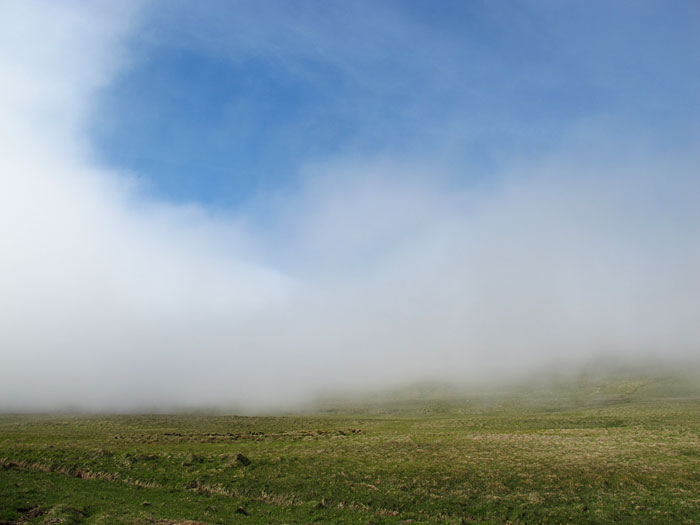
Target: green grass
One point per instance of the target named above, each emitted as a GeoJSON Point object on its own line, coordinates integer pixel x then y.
{"type": "Point", "coordinates": [584, 451]}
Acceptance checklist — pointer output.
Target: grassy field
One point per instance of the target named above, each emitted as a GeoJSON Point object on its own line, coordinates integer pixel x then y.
{"type": "Point", "coordinates": [591, 451]}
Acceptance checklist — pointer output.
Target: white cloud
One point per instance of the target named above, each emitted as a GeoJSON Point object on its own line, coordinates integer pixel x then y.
{"type": "Point", "coordinates": [384, 271]}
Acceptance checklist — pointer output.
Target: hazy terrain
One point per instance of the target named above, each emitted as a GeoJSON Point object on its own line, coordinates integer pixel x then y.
{"type": "Point", "coordinates": [586, 450]}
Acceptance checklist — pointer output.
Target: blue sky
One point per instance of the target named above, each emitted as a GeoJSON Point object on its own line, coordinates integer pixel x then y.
{"type": "Point", "coordinates": [224, 101]}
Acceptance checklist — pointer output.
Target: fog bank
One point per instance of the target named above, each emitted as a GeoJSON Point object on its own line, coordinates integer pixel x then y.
{"type": "Point", "coordinates": [375, 272]}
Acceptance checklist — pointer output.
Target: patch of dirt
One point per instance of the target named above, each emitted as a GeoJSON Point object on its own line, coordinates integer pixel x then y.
{"type": "Point", "coordinates": [215, 437]}
{"type": "Point", "coordinates": [64, 514]}
{"type": "Point", "coordinates": [28, 513]}
{"type": "Point", "coordinates": [240, 458]}
{"type": "Point", "coordinates": [150, 521]}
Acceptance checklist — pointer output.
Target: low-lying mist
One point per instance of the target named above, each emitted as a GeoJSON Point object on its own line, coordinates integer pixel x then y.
{"type": "Point", "coordinates": [375, 273]}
